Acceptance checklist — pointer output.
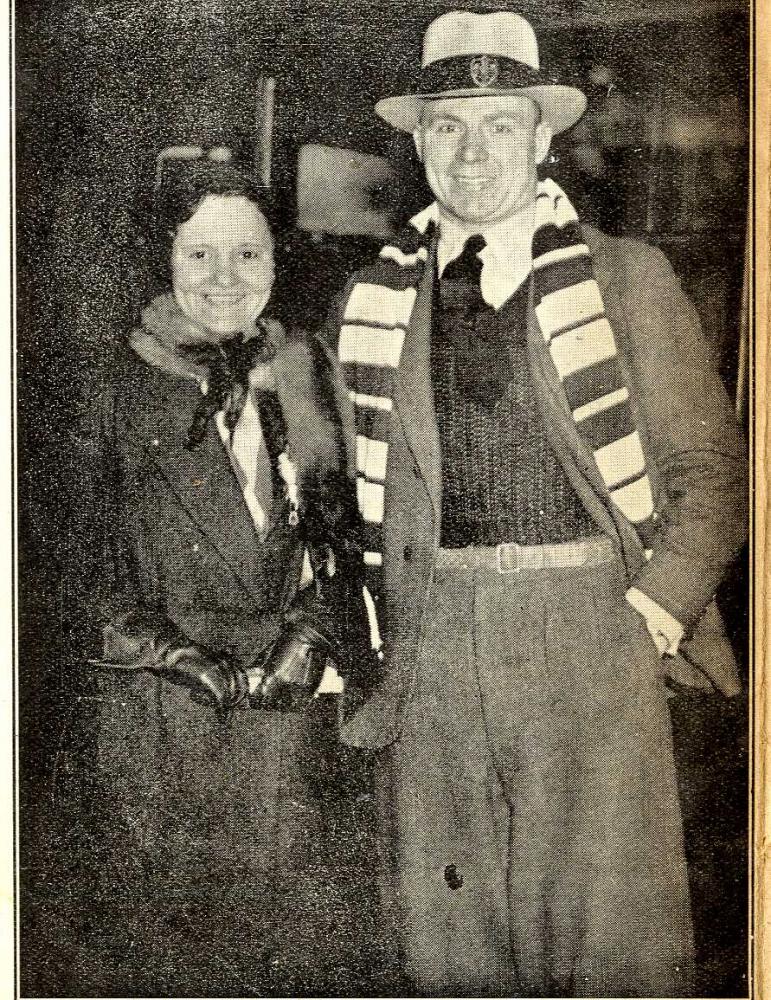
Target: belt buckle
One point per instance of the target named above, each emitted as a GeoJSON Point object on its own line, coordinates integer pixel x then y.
{"type": "Point", "coordinates": [499, 550]}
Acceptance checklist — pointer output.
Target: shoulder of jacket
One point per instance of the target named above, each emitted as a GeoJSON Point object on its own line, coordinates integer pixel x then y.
{"type": "Point", "coordinates": [115, 382]}
{"type": "Point", "coordinates": [621, 258]}
{"type": "Point", "coordinates": [118, 374]}
{"type": "Point", "coordinates": [125, 363]}
{"type": "Point", "coordinates": [139, 398]}
{"type": "Point", "coordinates": [131, 378]}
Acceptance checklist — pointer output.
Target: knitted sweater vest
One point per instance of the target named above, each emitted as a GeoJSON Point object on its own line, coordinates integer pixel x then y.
{"type": "Point", "coordinates": [501, 481]}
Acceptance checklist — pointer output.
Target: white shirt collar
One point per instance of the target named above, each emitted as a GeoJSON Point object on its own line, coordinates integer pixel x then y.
{"type": "Point", "coordinates": [506, 260]}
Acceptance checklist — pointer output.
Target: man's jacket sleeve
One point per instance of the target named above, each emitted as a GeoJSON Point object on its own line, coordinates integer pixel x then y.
{"type": "Point", "coordinates": [695, 444]}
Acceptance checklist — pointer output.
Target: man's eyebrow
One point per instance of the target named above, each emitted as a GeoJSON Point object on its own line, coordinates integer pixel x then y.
{"type": "Point", "coordinates": [493, 116]}
{"type": "Point", "coordinates": [442, 116]}
{"type": "Point", "coordinates": [514, 115]}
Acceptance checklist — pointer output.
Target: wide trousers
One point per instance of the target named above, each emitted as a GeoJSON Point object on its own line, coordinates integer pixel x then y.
{"type": "Point", "coordinates": [536, 826]}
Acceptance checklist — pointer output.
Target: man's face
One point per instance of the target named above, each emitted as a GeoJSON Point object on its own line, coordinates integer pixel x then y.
{"type": "Point", "coordinates": [222, 264]}
{"type": "Point", "coordinates": [480, 154]}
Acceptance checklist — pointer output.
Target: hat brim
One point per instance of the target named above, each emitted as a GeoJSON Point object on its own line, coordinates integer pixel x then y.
{"type": "Point", "coordinates": [561, 106]}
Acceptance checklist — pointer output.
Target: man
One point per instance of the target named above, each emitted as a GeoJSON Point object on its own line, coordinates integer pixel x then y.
{"type": "Point", "coordinates": [553, 486]}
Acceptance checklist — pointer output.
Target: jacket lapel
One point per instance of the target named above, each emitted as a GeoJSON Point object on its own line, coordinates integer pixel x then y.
{"type": "Point", "coordinates": [413, 394]}
{"type": "Point", "coordinates": [203, 482]}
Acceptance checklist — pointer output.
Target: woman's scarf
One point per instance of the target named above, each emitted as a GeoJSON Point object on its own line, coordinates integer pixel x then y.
{"type": "Point", "coordinates": [224, 367]}
{"type": "Point", "coordinates": [300, 400]}
{"type": "Point", "coordinates": [571, 315]}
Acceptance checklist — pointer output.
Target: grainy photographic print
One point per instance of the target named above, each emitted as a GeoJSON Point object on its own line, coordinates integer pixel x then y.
{"type": "Point", "coordinates": [384, 378]}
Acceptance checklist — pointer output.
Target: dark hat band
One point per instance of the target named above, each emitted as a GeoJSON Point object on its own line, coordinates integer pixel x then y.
{"type": "Point", "coordinates": [484, 72]}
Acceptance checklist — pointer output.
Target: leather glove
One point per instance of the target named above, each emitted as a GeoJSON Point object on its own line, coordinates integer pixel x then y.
{"type": "Point", "coordinates": [290, 673]}
{"type": "Point", "coordinates": [147, 640]}
{"type": "Point", "coordinates": [212, 678]}
{"type": "Point", "coordinates": [139, 638]}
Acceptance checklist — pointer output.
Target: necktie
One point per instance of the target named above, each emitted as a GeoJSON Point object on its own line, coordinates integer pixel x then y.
{"type": "Point", "coordinates": [481, 351]}
{"type": "Point", "coordinates": [467, 267]}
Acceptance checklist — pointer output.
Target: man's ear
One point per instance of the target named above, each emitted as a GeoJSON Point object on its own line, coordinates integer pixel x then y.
{"type": "Point", "coordinates": [417, 138]}
{"type": "Point", "coordinates": [543, 137]}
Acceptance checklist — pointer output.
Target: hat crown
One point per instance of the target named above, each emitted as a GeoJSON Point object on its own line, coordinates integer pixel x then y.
{"type": "Point", "coordinates": [463, 33]}
{"type": "Point", "coordinates": [479, 55]}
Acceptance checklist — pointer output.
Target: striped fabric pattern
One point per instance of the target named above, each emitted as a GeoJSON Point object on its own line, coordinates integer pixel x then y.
{"type": "Point", "coordinates": [571, 315]}
{"type": "Point", "coordinates": [576, 331]}
{"type": "Point", "coordinates": [375, 321]}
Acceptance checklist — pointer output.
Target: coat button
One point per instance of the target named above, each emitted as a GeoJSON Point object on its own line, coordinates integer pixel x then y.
{"type": "Point", "coordinates": [196, 546]}
{"type": "Point", "coordinates": [407, 553]}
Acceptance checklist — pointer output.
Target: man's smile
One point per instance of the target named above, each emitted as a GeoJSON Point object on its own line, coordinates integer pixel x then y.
{"type": "Point", "coordinates": [471, 181]}
{"type": "Point", "coordinates": [222, 299]}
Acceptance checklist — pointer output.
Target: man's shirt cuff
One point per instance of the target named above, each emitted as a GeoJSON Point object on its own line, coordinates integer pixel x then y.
{"type": "Point", "coordinates": [666, 631]}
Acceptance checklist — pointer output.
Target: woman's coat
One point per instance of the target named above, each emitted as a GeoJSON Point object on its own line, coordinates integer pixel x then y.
{"type": "Point", "coordinates": [220, 829]}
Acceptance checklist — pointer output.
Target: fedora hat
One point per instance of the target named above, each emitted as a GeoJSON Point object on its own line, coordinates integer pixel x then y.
{"type": "Point", "coordinates": [483, 55]}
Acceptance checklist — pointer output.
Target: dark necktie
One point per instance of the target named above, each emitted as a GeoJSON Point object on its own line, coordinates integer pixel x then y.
{"type": "Point", "coordinates": [467, 268]}
{"type": "Point", "coordinates": [482, 359]}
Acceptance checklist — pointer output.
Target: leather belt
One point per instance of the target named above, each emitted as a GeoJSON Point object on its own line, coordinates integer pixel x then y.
{"type": "Point", "coordinates": [509, 557]}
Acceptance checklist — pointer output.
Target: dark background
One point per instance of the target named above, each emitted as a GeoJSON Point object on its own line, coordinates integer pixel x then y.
{"type": "Point", "coordinates": [102, 87]}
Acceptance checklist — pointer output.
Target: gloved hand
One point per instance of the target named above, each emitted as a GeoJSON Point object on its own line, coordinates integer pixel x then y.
{"type": "Point", "coordinates": [288, 676]}
{"type": "Point", "coordinates": [147, 640]}
{"type": "Point", "coordinates": [139, 638]}
{"type": "Point", "coordinates": [212, 678]}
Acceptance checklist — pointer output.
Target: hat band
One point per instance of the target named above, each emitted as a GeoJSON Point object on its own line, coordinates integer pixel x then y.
{"type": "Point", "coordinates": [484, 72]}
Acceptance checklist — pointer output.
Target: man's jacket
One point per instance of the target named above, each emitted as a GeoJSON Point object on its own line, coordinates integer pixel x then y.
{"type": "Point", "coordinates": [693, 447]}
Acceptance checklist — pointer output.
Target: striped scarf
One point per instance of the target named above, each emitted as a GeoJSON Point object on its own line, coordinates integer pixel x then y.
{"type": "Point", "coordinates": [571, 315]}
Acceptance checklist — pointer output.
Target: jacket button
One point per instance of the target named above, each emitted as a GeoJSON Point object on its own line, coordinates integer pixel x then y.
{"type": "Point", "coordinates": [407, 553]}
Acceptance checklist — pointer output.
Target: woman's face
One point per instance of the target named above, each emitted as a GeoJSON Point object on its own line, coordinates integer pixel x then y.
{"type": "Point", "coordinates": [222, 264]}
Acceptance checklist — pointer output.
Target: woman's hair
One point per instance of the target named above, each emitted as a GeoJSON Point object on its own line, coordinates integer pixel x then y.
{"type": "Point", "coordinates": [184, 185]}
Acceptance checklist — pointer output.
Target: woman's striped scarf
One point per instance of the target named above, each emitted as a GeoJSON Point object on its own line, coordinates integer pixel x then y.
{"type": "Point", "coordinates": [571, 315]}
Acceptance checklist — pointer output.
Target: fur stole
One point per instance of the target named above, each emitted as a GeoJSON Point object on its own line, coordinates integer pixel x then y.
{"type": "Point", "coordinates": [316, 418]}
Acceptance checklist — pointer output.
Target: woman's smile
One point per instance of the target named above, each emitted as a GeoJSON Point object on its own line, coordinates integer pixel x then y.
{"type": "Point", "coordinates": [222, 264]}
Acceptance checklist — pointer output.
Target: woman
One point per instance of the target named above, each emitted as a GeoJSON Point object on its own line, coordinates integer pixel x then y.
{"type": "Point", "coordinates": [228, 601]}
